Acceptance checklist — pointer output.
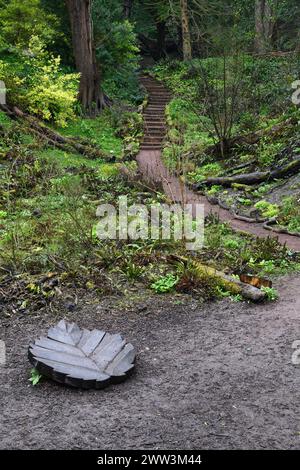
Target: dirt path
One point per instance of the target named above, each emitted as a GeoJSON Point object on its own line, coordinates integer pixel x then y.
{"type": "Point", "coordinates": [153, 169]}
{"type": "Point", "coordinates": [217, 376]}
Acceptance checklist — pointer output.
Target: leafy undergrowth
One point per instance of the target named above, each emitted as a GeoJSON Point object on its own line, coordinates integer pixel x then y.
{"type": "Point", "coordinates": [264, 104]}
{"type": "Point", "coordinates": [117, 131]}
{"type": "Point", "coordinates": [51, 257]}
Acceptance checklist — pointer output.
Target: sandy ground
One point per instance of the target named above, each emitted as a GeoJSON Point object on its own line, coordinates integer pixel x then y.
{"type": "Point", "coordinates": [217, 376]}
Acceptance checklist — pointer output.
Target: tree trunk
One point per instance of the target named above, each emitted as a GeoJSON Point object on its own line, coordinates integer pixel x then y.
{"type": "Point", "coordinates": [127, 8]}
{"type": "Point", "coordinates": [90, 94]}
{"type": "Point", "coordinates": [297, 49]}
{"type": "Point", "coordinates": [264, 25]}
{"type": "Point", "coordinates": [186, 34]}
{"type": "Point", "coordinates": [161, 39]}
{"type": "Point", "coordinates": [258, 177]}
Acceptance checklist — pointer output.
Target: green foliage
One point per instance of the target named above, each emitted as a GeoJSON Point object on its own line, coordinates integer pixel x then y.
{"type": "Point", "coordinates": [272, 294]}
{"type": "Point", "coordinates": [267, 152]}
{"type": "Point", "coordinates": [35, 377]}
{"type": "Point", "coordinates": [100, 131]}
{"type": "Point", "coordinates": [36, 83]}
{"type": "Point", "coordinates": [231, 243]}
{"type": "Point", "coordinates": [117, 51]}
{"type": "Point", "coordinates": [22, 19]}
{"type": "Point", "coordinates": [132, 271]}
{"type": "Point", "coordinates": [5, 121]}
{"type": "Point", "coordinates": [215, 189]}
{"type": "Point", "coordinates": [165, 284]}
{"type": "Point", "coordinates": [289, 215]}
{"type": "Point", "coordinates": [203, 172]}
{"type": "Point", "coordinates": [267, 209]}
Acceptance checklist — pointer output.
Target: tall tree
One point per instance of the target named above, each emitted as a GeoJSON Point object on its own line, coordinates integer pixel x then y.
{"type": "Point", "coordinates": [161, 39]}
{"type": "Point", "coordinates": [90, 94]}
{"type": "Point", "coordinates": [127, 8]}
{"type": "Point", "coordinates": [264, 25]}
{"type": "Point", "coordinates": [186, 34]}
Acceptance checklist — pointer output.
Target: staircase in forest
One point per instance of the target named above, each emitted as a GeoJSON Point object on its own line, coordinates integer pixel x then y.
{"type": "Point", "coordinates": [154, 114]}
{"type": "Point", "coordinates": [153, 169]}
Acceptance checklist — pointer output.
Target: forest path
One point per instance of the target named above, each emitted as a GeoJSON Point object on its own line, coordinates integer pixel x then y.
{"type": "Point", "coordinates": [153, 169]}
{"type": "Point", "coordinates": [212, 376]}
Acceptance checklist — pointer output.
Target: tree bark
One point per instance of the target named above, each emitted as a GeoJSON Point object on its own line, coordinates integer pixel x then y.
{"type": "Point", "coordinates": [258, 177]}
{"type": "Point", "coordinates": [53, 138]}
{"type": "Point", "coordinates": [297, 49]}
{"type": "Point", "coordinates": [90, 94]}
{"type": "Point", "coordinates": [127, 8]}
{"type": "Point", "coordinates": [264, 26]}
{"type": "Point", "coordinates": [186, 34]}
{"type": "Point", "coordinates": [161, 39]}
{"type": "Point", "coordinates": [229, 283]}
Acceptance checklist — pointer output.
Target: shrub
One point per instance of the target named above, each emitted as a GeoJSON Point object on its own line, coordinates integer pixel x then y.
{"type": "Point", "coordinates": [165, 284]}
{"type": "Point", "coordinates": [271, 293]}
{"type": "Point", "coordinates": [267, 209]}
{"type": "Point", "coordinates": [35, 82]}
{"type": "Point", "coordinates": [20, 19]}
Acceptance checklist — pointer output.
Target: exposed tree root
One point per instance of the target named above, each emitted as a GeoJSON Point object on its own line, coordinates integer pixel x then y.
{"type": "Point", "coordinates": [270, 225]}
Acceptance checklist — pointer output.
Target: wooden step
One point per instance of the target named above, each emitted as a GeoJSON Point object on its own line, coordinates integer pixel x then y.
{"type": "Point", "coordinates": [155, 128]}
{"type": "Point", "coordinates": [154, 137]}
{"type": "Point", "coordinates": [149, 131]}
{"type": "Point", "coordinates": [151, 147]}
{"type": "Point", "coordinates": [155, 132]}
{"type": "Point", "coordinates": [155, 120]}
{"type": "Point", "coordinates": [159, 102]}
{"type": "Point", "coordinates": [159, 117]}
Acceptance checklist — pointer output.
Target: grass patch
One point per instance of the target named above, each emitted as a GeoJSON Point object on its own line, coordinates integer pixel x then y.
{"type": "Point", "coordinates": [99, 132]}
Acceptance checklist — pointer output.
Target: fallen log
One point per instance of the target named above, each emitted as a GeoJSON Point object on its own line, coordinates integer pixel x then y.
{"type": "Point", "coordinates": [229, 283]}
{"type": "Point", "coordinates": [52, 137]}
{"type": "Point", "coordinates": [253, 178]}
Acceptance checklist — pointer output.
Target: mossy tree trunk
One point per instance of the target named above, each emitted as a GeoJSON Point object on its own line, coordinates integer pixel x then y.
{"type": "Point", "coordinates": [161, 39]}
{"type": "Point", "coordinates": [186, 34]}
{"type": "Point", "coordinates": [264, 25]}
{"type": "Point", "coordinates": [90, 94]}
{"type": "Point", "coordinates": [127, 8]}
